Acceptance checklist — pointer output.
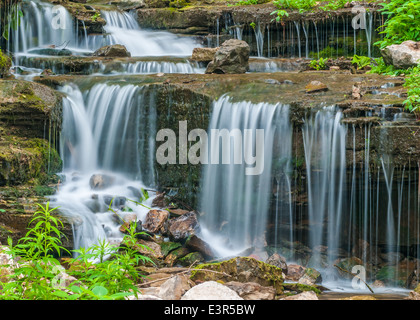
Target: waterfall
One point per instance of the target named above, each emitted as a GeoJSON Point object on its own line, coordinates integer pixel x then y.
{"type": "Point", "coordinates": [324, 139]}
{"type": "Point", "coordinates": [44, 25]}
{"type": "Point", "coordinates": [106, 131]}
{"type": "Point", "coordinates": [235, 205]}
{"type": "Point", "coordinates": [145, 67]}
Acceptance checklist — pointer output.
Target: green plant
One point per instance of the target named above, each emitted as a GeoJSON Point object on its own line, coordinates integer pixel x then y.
{"type": "Point", "coordinates": [402, 22]}
{"type": "Point", "coordinates": [412, 83]}
{"type": "Point", "coordinates": [95, 16]}
{"type": "Point", "coordinates": [334, 5]}
{"type": "Point", "coordinates": [36, 275]}
{"type": "Point", "coordinates": [361, 61]}
{"type": "Point", "coordinates": [318, 64]}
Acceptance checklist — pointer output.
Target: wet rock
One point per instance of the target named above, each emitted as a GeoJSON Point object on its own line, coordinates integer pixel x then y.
{"type": "Point", "coordinates": [182, 227]}
{"type": "Point", "coordinates": [295, 272]}
{"type": "Point", "coordinates": [252, 290]}
{"type": "Point", "coordinates": [307, 295]}
{"type": "Point", "coordinates": [241, 269]}
{"type": "Point", "coordinates": [203, 54]}
{"type": "Point", "coordinates": [347, 264]}
{"type": "Point", "coordinates": [316, 86]}
{"type": "Point", "coordinates": [402, 56]}
{"type": "Point", "coordinates": [129, 219]}
{"type": "Point", "coordinates": [392, 258]}
{"type": "Point", "coordinates": [194, 243]}
{"type": "Point", "coordinates": [167, 247]}
{"type": "Point", "coordinates": [161, 200]}
{"type": "Point", "coordinates": [278, 261]}
{"type": "Point", "coordinates": [155, 220]}
{"type": "Point", "coordinates": [178, 254]}
{"type": "Point", "coordinates": [101, 181]}
{"type": "Point", "coordinates": [211, 290]}
{"type": "Point", "coordinates": [232, 57]}
{"type": "Point", "coordinates": [378, 284]}
{"type": "Point", "coordinates": [191, 258]}
{"type": "Point", "coordinates": [413, 280]}
{"type": "Point", "coordinates": [115, 50]}
{"type": "Point", "coordinates": [51, 52]}
{"type": "Point", "coordinates": [310, 277]}
{"type": "Point", "coordinates": [149, 248]}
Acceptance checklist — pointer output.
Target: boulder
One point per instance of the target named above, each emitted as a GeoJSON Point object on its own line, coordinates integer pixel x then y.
{"type": "Point", "coordinates": [196, 244]}
{"type": "Point", "coordinates": [307, 295]}
{"type": "Point", "coordinates": [232, 57]}
{"type": "Point", "coordinates": [174, 288]}
{"type": "Point", "coordinates": [167, 247]}
{"type": "Point", "coordinates": [204, 54]}
{"type": "Point", "coordinates": [402, 56]}
{"type": "Point", "coordinates": [295, 272]}
{"type": "Point", "coordinates": [316, 86]}
{"type": "Point", "coordinates": [310, 277]}
{"type": "Point", "coordinates": [241, 269]}
{"type": "Point", "coordinates": [182, 227]}
{"type": "Point", "coordinates": [191, 258]}
{"type": "Point", "coordinates": [252, 290]}
{"type": "Point", "coordinates": [100, 181]}
{"type": "Point", "coordinates": [115, 50]}
{"type": "Point", "coordinates": [211, 290]}
{"type": "Point", "coordinates": [278, 261]}
{"type": "Point", "coordinates": [178, 254]}
{"type": "Point", "coordinates": [155, 220]}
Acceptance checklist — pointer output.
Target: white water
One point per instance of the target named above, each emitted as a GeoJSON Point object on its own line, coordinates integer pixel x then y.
{"type": "Point", "coordinates": [40, 28]}
{"type": "Point", "coordinates": [236, 205]}
{"type": "Point", "coordinates": [103, 133]}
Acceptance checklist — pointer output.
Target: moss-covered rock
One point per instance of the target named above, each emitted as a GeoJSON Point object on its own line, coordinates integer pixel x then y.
{"type": "Point", "coordinates": [242, 269]}
{"type": "Point", "coordinates": [5, 64]}
{"type": "Point", "coordinates": [189, 259]}
{"type": "Point", "coordinates": [167, 247]}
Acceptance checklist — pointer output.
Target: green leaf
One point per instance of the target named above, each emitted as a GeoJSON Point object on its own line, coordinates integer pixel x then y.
{"type": "Point", "coordinates": [100, 291]}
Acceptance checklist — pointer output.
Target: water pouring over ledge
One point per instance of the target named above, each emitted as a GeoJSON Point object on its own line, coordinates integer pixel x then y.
{"type": "Point", "coordinates": [40, 28]}
{"type": "Point", "coordinates": [103, 144]}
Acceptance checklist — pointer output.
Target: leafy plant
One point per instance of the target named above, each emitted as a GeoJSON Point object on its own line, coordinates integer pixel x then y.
{"type": "Point", "coordinates": [318, 64]}
{"type": "Point", "coordinates": [402, 22]}
{"type": "Point", "coordinates": [412, 83]}
{"type": "Point", "coordinates": [361, 61]}
{"type": "Point", "coordinates": [334, 5]}
{"type": "Point", "coordinates": [34, 277]}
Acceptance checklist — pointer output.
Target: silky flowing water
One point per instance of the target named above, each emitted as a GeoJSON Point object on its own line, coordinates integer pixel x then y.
{"type": "Point", "coordinates": [109, 130]}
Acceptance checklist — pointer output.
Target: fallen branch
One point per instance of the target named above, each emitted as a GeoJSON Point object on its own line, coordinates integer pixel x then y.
{"type": "Point", "coordinates": [182, 272]}
{"type": "Point", "coordinates": [355, 275]}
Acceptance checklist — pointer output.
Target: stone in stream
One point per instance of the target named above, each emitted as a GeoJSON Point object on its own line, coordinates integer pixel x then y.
{"type": "Point", "coordinates": [278, 261]}
{"type": "Point", "coordinates": [295, 272]}
{"type": "Point", "coordinates": [100, 181]}
{"type": "Point", "coordinates": [155, 220]}
{"type": "Point", "coordinates": [402, 56]}
{"type": "Point", "coordinates": [194, 243]}
{"type": "Point", "coordinates": [316, 86]}
{"type": "Point", "coordinates": [310, 277]}
{"type": "Point", "coordinates": [203, 54]}
{"type": "Point", "coordinates": [182, 227]}
{"type": "Point", "coordinates": [115, 50]}
{"type": "Point", "coordinates": [232, 57]}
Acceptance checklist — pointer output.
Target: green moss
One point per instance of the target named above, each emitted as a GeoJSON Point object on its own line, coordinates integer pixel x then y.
{"type": "Point", "coordinates": [167, 247]}
{"type": "Point", "coordinates": [5, 64]}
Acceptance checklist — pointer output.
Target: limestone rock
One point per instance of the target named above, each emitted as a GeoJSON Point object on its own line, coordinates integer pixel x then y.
{"type": "Point", "coordinates": [252, 290]}
{"type": "Point", "coordinates": [196, 244]}
{"type": "Point", "coordinates": [310, 277]}
{"type": "Point", "coordinates": [241, 269]}
{"type": "Point", "coordinates": [203, 54]}
{"type": "Point", "coordinates": [101, 181]}
{"type": "Point", "coordinates": [316, 86]}
{"type": "Point", "coordinates": [211, 290]}
{"type": "Point", "coordinates": [155, 219]}
{"type": "Point", "coordinates": [232, 57]}
{"type": "Point", "coordinates": [307, 295]}
{"type": "Point", "coordinates": [294, 272]}
{"type": "Point", "coordinates": [115, 50]}
{"type": "Point", "coordinates": [402, 56]}
{"type": "Point", "coordinates": [278, 261]}
{"type": "Point", "coordinates": [182, 227]}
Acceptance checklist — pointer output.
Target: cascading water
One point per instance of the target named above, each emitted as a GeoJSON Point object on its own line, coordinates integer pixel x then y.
{"type": "Point", "coordinates": [236, 204]}
{"type": "Point", "coordinates": [105, 136]}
